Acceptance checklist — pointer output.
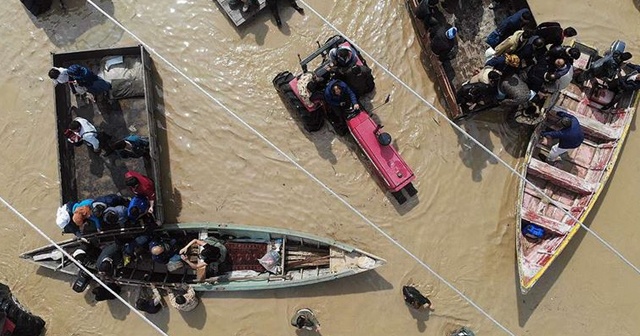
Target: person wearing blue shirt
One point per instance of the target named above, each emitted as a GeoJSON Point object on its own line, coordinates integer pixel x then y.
{"type": "Point", "coordinates": [339, 94]}
{"type": "Point", "coordinates": [95, 220]}
{"type": "Point", "coordinates": [343, 57]}
{"type": "Point", "coordinates": [341, 100]}
{"type": "Point", "coordinates": [570, 136]}
{"type": "Point", "coordinates": [164, 252]}
{"type": "Point", "coordinates": [509, 26]}
{"type": "Point", "coordinates": [115, 217]}
{"type": "Point", "coordinates": [133, 146]}
{"type": "Point", "coordinates": [88, 79]}
{"type": "Point", "coordinates": [138, 207]}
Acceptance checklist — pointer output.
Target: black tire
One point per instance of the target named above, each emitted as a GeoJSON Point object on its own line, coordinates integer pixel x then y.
{"type": "Point", "coordinates": [282, 78]}
{"type": "Point", "coordinates": [411, 190]}
{"type": "Point", "coordinates": [399, 196]}
{"type": "Point", "coordinates": [26, 323]}
{"type": "Point", "coordinates": [312, 121]}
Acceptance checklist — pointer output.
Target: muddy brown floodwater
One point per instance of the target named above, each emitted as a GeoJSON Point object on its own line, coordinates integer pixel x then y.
{"type": "Point", "coordinates": [461, 225]}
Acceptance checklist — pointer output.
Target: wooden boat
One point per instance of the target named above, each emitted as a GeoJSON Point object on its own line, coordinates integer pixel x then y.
{"type": "Point", "coordinates": [84, 174]}
{"type": "Point", "coordinates": [303, 259]}
{"type": "Point", "coordinates": [235, 13]}
{"type": "Point", "coordinates": [474, 20]}
{"type": "Point", "coordinates": [576, 181]}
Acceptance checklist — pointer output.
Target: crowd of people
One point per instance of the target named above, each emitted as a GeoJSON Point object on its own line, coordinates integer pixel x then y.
{"type": "Point", "coordinates": [523, 65]}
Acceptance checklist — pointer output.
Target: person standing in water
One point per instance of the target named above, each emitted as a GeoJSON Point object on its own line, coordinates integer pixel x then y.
{"type": "Point", "coordinates": [415, 299]}
{"type": "Point", "coordinates": [305, 319]}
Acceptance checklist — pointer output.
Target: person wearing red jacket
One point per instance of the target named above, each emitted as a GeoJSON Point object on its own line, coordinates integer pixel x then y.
{"type": "Point", "coordinates": [141, 185]}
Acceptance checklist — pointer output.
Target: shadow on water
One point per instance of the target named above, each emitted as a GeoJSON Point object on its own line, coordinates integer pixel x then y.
{"type": "Point", "coordinates": [196, 318]}
{"type": "Point", "coordinates": [64, 27]}
{"type": "Point", "coordinates": [421, 316]}
{"type": "Point", "coordinates": [171, 196]}
{"type": "Point", "coordinates": [527, 304]}
{"type": "Point", "coordinates": [365, 282]}
{"type": "Point", "coordinates": [496, 122]}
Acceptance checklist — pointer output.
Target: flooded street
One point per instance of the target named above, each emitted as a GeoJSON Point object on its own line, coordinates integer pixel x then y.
{"type": "Point", "coordinates": [216, 169]}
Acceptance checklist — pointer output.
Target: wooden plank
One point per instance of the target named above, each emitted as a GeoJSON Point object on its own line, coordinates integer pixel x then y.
{"type": "Point", "coordinates": [546, 222]}
{"type": "Point", "coordinates": [560, 177]}
{"type": "Point", "coordinates": [236, 15]}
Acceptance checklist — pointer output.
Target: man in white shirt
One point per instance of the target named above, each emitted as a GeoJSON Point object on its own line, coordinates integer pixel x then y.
{"type": "Point", "coordinates": [81, 130]}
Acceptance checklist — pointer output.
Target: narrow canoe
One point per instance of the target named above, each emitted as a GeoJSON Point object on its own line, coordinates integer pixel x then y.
{"type": "Point", "coordinates": [576, 181]}
{"type": "Point", "coordinates": [303, 259]}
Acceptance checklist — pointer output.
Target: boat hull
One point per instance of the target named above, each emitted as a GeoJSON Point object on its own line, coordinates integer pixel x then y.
{"type": "Point", "coordinates": [576, 181]}
{"type": "Point", "coordinates": [304, 259]}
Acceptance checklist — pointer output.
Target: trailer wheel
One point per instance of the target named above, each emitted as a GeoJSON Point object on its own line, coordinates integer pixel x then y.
{"type": "Point", "coordinates": [411, 190]}
{"type": "Point", "coordinates": [399, 196]}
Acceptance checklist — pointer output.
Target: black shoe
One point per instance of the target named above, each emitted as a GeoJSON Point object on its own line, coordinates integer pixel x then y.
{"type": "Point", "coordinates": [279, 23]}
{"type": "Point", "coordinates": [299, 9]}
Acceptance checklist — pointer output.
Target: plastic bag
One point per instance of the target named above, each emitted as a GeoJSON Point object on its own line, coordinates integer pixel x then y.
{"type": "Point", "coordinates": [270, 261]}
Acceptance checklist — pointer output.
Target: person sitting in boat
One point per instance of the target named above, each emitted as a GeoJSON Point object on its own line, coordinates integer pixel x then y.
{"type": "Point", "coordinates": [164, 252]}
{"type": "Point", "coordinates": [305, 319]}
{"type": "Point", "coordinates": [141, 185]}
{"type": "Point", "coordinates": [133, 146]}
{"type": "Point", "coordinates": [553, 34]}
{"type": "Point", "coordinates": [415, 299]}
{"type": "Point", "coordinates": [115, 217]}
{"type": "Point", "coordinates": [568, 54]}
{"type": "Point", "coordinates": [532, 51]}
{"type": "Point", "coordinates": [183, 298]}
{"type": "Point", "coordinates": [138, 213]}
{"type": "Point", "coordinates": [570, 135]}
{"type": "Point", "coordinates": [101, 203]}
{"type": "Point", "coordinates": [342, 58]}
{"type": "Point", "coordinates": [109, 260]}
{"type": "Point", "coordinates": [623, 84]}
{"type": "Point", "coordinates": [508, 26]}
{"type": "Point", "coordinates": [82, 214]}
{"type": "Point", "coordinates": [605, 68]}
{"type": "Point", "coordinates": [61, 76]}
{"type": "Point", "coordinates": [149, 299]}
{"type": "Point", "coordinates": [135, 248]}
{"type": "Point", "coordinates": [428, 12]}
{"type": "Point", "coordinates": [480, 90]}
{"type": "Point", "coordinates": [212, 254]}
{"type": "Point", "coordinates": [81, 75]}
{"type": "Point", "coordinates": [86, 78]}
{"type": "Point", "coordinates": [505, 65]}
{"type": "Point", "coordinates": [82, 131]}
{"type": "Point", "coordinates": [538, 75]}
{"type": "Point", "coordinates": [512, 43]}
{"type": "Point", "coordinates": [443, 41]}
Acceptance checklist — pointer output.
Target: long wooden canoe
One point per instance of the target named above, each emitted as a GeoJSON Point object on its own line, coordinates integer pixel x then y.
{"type": "Point", "coordinates": [576, 181]}
{"type": "Point", "coordinates": [304, 259]}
